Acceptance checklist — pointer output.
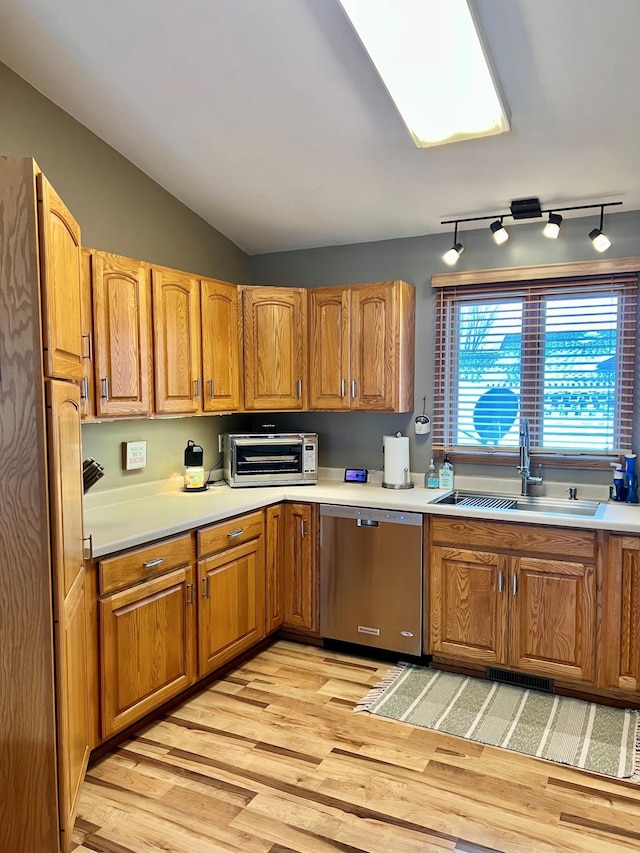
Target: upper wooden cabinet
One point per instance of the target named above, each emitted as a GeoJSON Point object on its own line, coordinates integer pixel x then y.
{"type": "Point", "coordinates": [121, 335]}
{"type": "Point", "coordinates": [274, 323]}
{"type": "Point", "coordinates": [220, 359]}
{"type": "Point", "coordinates": [176, 326]}
{"type": "Point", "coordinates": [61, 283]}
{"type": "Point", "coordinates": [514, 595]}
{"type": "Point", "coordinates": [362, 347]}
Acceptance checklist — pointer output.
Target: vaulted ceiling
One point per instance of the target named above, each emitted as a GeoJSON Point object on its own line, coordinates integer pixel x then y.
{"type": "Point", "coordinates": [267, 119]}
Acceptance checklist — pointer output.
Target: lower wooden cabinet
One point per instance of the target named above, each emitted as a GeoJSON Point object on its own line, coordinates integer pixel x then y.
{"type": "Point", "coordinates": [621, 630]}
{"type": "Point", "coordinates": [301, 567]}
{"type": "Point", "coordinates": [274, 567]}
{"type": "Point", "coordinates": [520, 597]}
{"type": "Point", "coordinates": [147, 631]}
{"type": "Point", "coordinates": [231, 590]}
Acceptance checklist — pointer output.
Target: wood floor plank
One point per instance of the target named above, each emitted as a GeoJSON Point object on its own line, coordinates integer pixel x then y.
{"type": "Point", "coordinates": [272, 759]}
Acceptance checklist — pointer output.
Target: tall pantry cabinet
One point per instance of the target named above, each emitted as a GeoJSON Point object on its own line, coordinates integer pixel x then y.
{"type": "Point", "coordinates": [44, 743]}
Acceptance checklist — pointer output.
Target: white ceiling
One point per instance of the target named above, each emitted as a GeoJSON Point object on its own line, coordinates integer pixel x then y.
{"type": "Point", "coordinates": [267, 119]}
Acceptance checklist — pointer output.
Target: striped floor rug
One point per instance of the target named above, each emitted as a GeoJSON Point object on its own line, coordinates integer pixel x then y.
{"type": "Point", "coordinates": [593, 737]}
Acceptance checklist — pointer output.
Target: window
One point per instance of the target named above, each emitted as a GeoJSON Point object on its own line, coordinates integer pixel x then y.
{"type": "Point", "coordinates": [559, 352]}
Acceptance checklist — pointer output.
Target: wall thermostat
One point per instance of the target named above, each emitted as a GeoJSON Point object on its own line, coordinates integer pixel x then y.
{"type": "Point", "coordinates": [355, 475]}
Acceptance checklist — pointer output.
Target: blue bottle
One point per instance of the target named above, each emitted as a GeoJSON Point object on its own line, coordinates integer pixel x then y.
{"type": "Point", "coordinates": [631, 476]}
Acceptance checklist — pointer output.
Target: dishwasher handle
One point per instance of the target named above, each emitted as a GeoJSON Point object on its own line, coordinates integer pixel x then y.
{"type": "Point", "coordinates": [366, 522]}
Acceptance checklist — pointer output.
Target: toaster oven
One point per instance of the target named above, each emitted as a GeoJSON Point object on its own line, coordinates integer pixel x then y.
{"type": "Point", "coordinates": [281, 459]}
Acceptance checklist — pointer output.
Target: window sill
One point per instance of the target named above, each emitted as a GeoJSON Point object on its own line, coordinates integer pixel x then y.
{"type": "Point", "coordinates": [575, 461]}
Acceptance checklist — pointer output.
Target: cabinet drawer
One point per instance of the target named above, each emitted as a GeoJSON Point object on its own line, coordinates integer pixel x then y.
{"type": "Point", "coordinates": [220, 536]}
{"type": "Point", "coordinates": [497, 536]}
{"type": "Point", "coordinates": [123, 570]}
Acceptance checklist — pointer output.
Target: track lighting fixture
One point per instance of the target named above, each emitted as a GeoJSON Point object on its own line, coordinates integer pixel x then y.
{"type": "Point", "coordinates": [600, 240]}
{"type": "Point", "coordinates": [500, 233]}
{"type": "Point", "coordinates": [453, 255]}
{"type": "Point", "coordinates": [528, 208]}
{"type": "Point", "coordinates": [552, 228]}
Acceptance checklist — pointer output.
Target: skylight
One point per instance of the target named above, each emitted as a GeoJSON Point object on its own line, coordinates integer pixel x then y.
{"type": "Point", "coordinates": [433, 64]}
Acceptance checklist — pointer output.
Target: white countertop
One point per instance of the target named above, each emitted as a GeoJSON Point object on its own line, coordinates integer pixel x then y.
{"type": "Point", "coordinates": [128, 517]}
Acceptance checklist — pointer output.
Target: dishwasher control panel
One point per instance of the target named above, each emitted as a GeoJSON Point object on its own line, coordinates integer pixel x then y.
{"type": "Point", "coordinates": [392, 516]}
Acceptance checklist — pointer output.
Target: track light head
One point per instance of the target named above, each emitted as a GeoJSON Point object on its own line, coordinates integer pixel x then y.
{"type": "Point", "coordinates": [453, 255]}
{"type": "Point", "coordinates": [599, 239]}
{"type": "Point", "coordinates": [552, 228]}
{"type": "Point", "coordinates": [500, 233]}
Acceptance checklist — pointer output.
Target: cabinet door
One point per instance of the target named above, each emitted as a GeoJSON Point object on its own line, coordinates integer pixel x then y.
{"type": "Point", "coordinates": [274, 321]}
{"type": "Point", "coordinates": [553, 618]}
{"type": "Point", "coordinates": [220, 360]}
{"type": "Point", "coordinates": [147, 640]}
{"type": "Point", "coordinates": [274, 567]}
{"type": "Point", "coordinates": [231, 604]}
{"type": "Point", "coordinates": [122, 335]}
{"type": "Point", "coordinates": [60, 263]}
{"type": "Point", "coordinates": [176, 327]}
{"type": "Point", "coordinates": [621, 646]}
{"type": "Point", "coordinates": [69, 604]}
{"type": "Point", "coordinates": [373, 363]}
{"type": "Point", "coordinates": [329, 353]}
{"type": "Point", "coordinates": [300, 568]}
{"type": "Point", "coordinates": [469, 605]}
{"type": "Point", "coordinates": [87, 388]}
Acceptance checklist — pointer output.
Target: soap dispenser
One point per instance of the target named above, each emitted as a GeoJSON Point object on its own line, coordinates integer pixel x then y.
{"type": "Point", "coordinates": [619, 490]}
{"type": "Point", "coordinates": [631, 476]}
{"type": "Point", "coordinates": [445, 473]}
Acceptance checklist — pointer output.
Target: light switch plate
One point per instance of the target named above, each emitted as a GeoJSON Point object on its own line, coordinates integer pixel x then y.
{"type": "Point", "coordinates": [134, 455]}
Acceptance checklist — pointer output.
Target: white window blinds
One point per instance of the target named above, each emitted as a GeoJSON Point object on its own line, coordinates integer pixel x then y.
{"type": "Point", "coordinates": [559, 352]}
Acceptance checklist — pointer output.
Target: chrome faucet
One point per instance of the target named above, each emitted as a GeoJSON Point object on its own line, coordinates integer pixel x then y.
{"type": "Point", "coordinates": [524, 462]}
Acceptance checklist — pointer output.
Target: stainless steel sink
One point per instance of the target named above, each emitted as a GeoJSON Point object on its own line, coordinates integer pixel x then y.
{"type": "Point", "coordinates": [516, 503]}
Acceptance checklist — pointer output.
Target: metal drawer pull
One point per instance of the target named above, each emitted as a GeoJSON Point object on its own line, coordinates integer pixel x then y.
{"type": "Point", "coordinates": [515, 585]}
{"type": "Point", "coordinates": [210, 386]}
{"type": "Point", "coordinates": [205, 591]}
{"type": "Point", "coordinates": [105, 388]}
{"type": "Point", "coordinates": [153, 563]}
{"type": "Point", "coordinates": [235, 533]}
{"type": "Point", "coordinates": [89, 337]}
{"type": "Point", "coordinates": [189, 593]}
{"type": "Point", "coordinates": [500, 581]}
{"type": "Point", "coordinates": [303, 527]}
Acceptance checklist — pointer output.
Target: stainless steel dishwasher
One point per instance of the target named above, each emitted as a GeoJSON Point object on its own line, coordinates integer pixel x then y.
{"type": "Point", "coordinates": [371, 577]}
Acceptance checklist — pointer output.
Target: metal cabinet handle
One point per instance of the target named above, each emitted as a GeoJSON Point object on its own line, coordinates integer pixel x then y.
{"type": "Point", "coordinates": [303, 527]}
{"type": "Point", "coordinates": [196, 387]}
{"type": "Point", "coordinates": [235, 533]}
{"type": "Point", "coordinates": [84, 388]}
{"type": "Point", "coordinates": [151, 563]}
{"type": "Point", "coordinates": [89, 337]}
{"type": "Point", "coordinates": [88, 548]}
{"type": "Point", "coordinates": [343, 390]}
{"type": "Point", "coordinates": [189, 593]}
{"type": "Point", "coordinates": [205, 587]}
{"type": "Point", "coordinates": [210, 387]}
{"type": "Point", "coordinates": [353, 388]}
{"type": "Point", "coordinates": [366, 522]}
{"type": "Point", "coordinates": [299, 386]}
{"type": "Point", "coordinates": [515, 585]}
{"type": "Point", "coordinates": [500, 581]}
{"type": "Point", "coordinates": [106, 389]}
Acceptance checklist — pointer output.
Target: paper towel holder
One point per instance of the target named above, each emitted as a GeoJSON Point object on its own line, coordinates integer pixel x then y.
{"type": "Point", "coordinates": [406, 484]}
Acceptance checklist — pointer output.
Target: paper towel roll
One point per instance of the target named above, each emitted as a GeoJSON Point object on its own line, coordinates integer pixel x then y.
{"type": "Point", "coordinates": [396, 462]}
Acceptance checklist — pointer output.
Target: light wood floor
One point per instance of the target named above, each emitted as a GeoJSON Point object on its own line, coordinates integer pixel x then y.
{"type": "Point", "coordinates": [272, 759]}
